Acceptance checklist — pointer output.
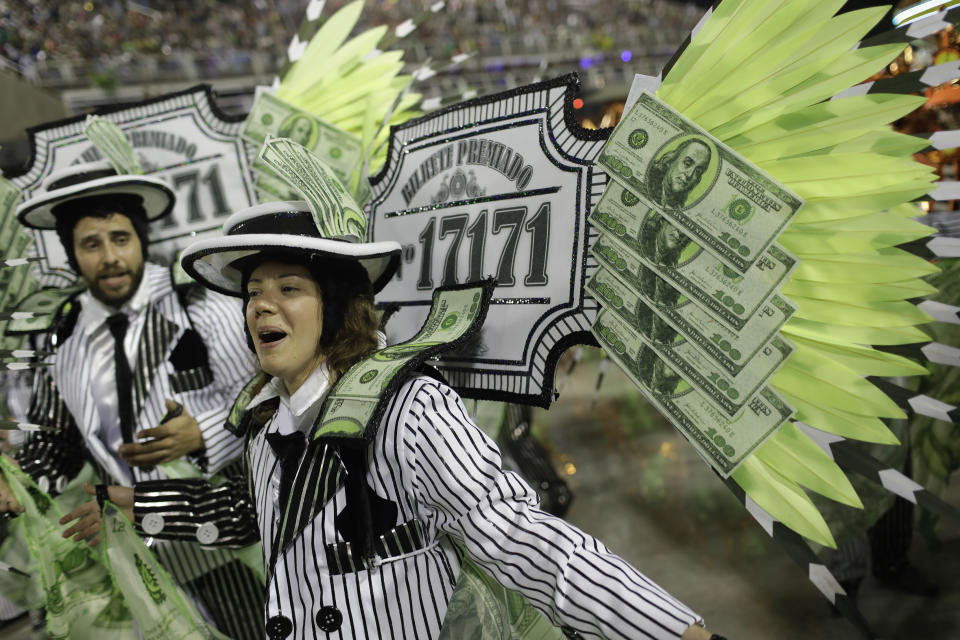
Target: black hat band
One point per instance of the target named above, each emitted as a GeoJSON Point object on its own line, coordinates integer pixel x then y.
{"type": "Point", "coordinates": [81, 177]}
{"type": "Point", "coordinates": [289, 222]}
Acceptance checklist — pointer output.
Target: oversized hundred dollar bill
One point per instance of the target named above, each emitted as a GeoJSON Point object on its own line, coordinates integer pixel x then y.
{"type": "Point", "coordinates": [15, 341]}
{"type": "Point", "coordinates": [10, 196]}
{"type": "Point", "coordinates": [112, 142]}
{"type": "Point", "coordinates": [36, 308]}
{"type": "Point", "coordinates": [270, 186]}
{"type": "Point", "coordinates": [730, 349]}
{"type": "Point", "coordinates": [13, 283]}
{"type": "Point", "coordinates": [703, 373]}
{"type": "Point", "coordinates": [723, 440]}
{"type": "Point", "coordinates": [335, 211]}
{"type": "Point", "coordinates": [721, 200]}
{"type": "Point", "coordinates": [17, 243]}
{"type": "Point", "coordinates": [732, 297]}
{"type": "Point", "coordinates": [13, 279]}
{"type": "Point", "coordinates": [80, 599]}
{"type": "Point", "coordinates": [353, 402]}
{"type": "Point", "coordinates": [160, 607]}
{"type": "Point", "coordinates": [15, 240]}
{"type": "Point", "coordinates": [339, 150]}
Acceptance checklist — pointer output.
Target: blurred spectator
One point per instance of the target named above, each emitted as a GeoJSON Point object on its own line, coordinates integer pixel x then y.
{"type": "Point", "coordinates": [101, 34]}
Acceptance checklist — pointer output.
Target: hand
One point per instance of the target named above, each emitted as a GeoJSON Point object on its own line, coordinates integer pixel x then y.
{"type": "Point", "coordinates": [174, 438]}
{"type": "Point", "coordinates": [696, 632]}
{"type": "Point", "coordinates": [88, 516]}
{"type": "Point", "coordinates": [9, 503]}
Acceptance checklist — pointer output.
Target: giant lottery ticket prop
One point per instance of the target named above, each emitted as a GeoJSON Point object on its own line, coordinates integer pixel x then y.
{"type": "Point", "coordinates": [743, 245]}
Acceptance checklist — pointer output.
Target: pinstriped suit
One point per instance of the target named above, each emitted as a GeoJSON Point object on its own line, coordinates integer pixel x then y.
{"type": "Point", "coordinates": [63, 396]}
{"type": "Point", "coordinates": [435, 476]}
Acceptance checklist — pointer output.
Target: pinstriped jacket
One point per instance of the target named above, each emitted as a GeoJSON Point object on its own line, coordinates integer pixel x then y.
{"type": "Point", "coordinates": [194, 355]}
{"type": "Point", "coordinates": [434, 477]}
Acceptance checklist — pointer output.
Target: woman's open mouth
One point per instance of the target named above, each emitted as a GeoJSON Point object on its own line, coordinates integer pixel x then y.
{"type": "Point", "coordinates": [270, 337]}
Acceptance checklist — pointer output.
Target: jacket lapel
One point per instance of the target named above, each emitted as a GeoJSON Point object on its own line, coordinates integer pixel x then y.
{"type": "Point", "coordinates": [75, 373]}
{"type": "Point", "coordinates": [155, 340]}
{"type": "Point", "coordinates": [317, 479]}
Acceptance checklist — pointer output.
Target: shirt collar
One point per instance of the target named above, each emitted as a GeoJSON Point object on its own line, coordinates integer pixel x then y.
{"type": "Point", "coordinates": [304, 405]}
{"type": "Point", "coordinates": [310, 393]}
{"type": "Point", "coordinates": [95, 313]}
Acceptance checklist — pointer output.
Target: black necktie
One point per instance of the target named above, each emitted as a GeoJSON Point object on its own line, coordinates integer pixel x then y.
{"type": "Point", "coordinates": [288, 449]}
{"type": "Point", "coordinates": [118, 327]}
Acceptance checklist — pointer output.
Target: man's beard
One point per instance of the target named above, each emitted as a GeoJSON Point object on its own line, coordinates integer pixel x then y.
{"type": "Point", "coordinates": [111, 299]}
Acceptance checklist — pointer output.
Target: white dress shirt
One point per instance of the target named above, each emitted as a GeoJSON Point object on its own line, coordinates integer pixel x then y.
{"type": "Point", "coordinates": [100, 347]}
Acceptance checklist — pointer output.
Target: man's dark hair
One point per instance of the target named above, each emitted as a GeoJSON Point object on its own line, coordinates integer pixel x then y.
{"type": "Point", "coordinates": [68, 214]}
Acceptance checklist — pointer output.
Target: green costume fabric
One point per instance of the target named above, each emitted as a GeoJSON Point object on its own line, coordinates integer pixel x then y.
{"type": "Point", "coordinates": [88, 594]}
{"type": "Point", "coordinates": [482, 609]}
{"type": "Point", "coordinates": [23, 591]}
{"type": "Point", "coordinates": [79, 595]}
{"type": "Point", "coordinates": [159, 606]}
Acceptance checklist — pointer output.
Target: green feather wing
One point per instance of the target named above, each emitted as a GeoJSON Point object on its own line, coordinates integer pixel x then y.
{"type": "Point", "coordinates": [348, 82]}
{"type": "Point", "coordinates": [759, 75]}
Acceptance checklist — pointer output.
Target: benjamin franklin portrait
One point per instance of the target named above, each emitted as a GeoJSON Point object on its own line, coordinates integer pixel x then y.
{"type": "Point", "coordinates": [674, 174]}
{"type": "Point", "coordinates": [300, 129]}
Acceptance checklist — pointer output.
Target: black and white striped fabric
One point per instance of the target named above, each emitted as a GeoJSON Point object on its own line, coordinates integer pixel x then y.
{"type": "Point", "coordinates": [440, 479]}
{"type": "Point", "coordinates": [64, 398]}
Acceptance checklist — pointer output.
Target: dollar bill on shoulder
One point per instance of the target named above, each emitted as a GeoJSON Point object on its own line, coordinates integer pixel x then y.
{"type": "Point", "coordinates": [342, 152]}
{"type": "Point", "coordinates": [732, 297]}
{"type": "Point", "coordinates": [353, 401]}
{"type": "Point", "coordinates": [724, 441]}
{"type": "Point", "coordinates": [728, 392]}
{"type": "Point", "coordinates": [719, 198]}
{"type": "Point", "coordinates": [729, 348]}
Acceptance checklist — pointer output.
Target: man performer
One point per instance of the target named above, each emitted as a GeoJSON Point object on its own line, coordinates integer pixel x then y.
{"type": "Point", "coordinates": [143, 375]}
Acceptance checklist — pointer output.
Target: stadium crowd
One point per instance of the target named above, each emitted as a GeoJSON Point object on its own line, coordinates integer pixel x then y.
{"type": "Point", "coordinates": [98, 34]}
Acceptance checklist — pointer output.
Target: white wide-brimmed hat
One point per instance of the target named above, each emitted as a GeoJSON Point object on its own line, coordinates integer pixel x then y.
{"type": "Point", "coordinates": [286, 227]}
{"type": "Point", "coordinates": [88, 180]}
